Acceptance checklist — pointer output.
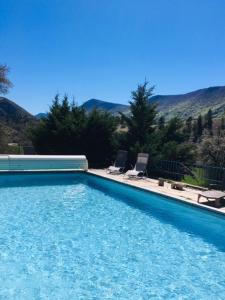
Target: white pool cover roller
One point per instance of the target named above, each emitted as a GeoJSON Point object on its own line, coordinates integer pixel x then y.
{"type": "Point", "coordinates": [43, 162]}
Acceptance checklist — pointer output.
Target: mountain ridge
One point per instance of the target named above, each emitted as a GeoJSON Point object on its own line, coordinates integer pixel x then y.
{"type": "Point", "coordinates": [181, 105]}
{"type": "Point", "coordinates": [193, 103]}
{"type": "Point", "coordinates": [111, 107]}
{"type": "Point", "coordinates": [14, 121]}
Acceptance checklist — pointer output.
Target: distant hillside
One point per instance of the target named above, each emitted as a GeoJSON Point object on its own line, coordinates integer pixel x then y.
{"type": "Point", "coordinates": [192, 104]}
{"type": "Point", "coordinates": [14, 121]}
{"type": "Point", "coordinates": [183, 106]}
{"type": "Point", "coordinates": [11, 113]}
{"type": "Point", "coordinates": [41, 116]}
{"type": "Point", "coordinates": [110, 107]}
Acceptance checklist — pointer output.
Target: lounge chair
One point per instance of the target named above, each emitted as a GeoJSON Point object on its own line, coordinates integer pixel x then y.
{"type": "Point", "coordinates": [119, 164]}
{"type": "Point", "coordinates": [140, 169]}
{"type": "Point", "coordinates": [211, 195]}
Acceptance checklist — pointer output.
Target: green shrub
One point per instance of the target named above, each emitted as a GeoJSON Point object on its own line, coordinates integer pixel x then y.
{"type": "Point", "coordinates": [196, 179]}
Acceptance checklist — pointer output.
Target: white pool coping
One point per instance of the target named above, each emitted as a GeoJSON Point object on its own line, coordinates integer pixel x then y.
{"type": "Point", "coordinates": [188, 196]}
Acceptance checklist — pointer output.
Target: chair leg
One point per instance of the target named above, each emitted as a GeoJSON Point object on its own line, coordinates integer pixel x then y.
{"type": "Point", "coordinates": [146, 173]}
{"type": "Point", "coordinates": [217, 202]}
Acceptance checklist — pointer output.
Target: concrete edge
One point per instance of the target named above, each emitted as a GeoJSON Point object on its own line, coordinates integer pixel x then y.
{"type": "Point", "coordinates": [174, 198]}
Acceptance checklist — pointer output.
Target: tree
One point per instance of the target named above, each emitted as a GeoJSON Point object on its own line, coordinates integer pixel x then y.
{"type": "Point", "coordinates": [61, 131]}
{"type": "Point", "coordinates": [188, 128]}
{"type": "Point", "coordinates": [199, 126]}
{"type": "Point", "coordinates": [182, 152]}
{"type": "Point", "coordinates": [189, 124]}
{"type": "Point", "coordinates": [5, 83]}
{"type": "Point", "coordinates": [99, 138]}
{"type": "Point", "coordinates": [173, 145]}
{"type": "Point", "coordinates": [173, 131]}
{"type": "Point", "coordinates": [161, 123]}
{"type": "Point", "coordinates": [67, 129]}
{"type": "Point", "coordinates": [222, 126]}
{"type": "Point", "coordinates": [212, 151]}
{"type": "Point", "coordinates": [195, 131]}
{"type": "Point", "coordinates": [209, 121]}
{"type": "Point", "coordinates": [2, 139]}
{"type": "Point", "coordinates": [141, 122]}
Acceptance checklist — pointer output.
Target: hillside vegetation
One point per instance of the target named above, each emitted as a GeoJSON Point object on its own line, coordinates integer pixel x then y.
{"type": "Point", "coordinates": [191, 109]}
{"type": "Point", "coordinates": [14, 121]}
{"type": "Point", "coordinates": [192, 104]}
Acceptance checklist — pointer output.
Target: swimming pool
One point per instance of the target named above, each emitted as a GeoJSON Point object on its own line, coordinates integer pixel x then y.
{"type": "Point", "coordinates": [76, 236]}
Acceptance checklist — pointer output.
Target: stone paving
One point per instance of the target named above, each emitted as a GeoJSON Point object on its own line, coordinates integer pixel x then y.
{"type": "Point", "coordinates": [189, 194]}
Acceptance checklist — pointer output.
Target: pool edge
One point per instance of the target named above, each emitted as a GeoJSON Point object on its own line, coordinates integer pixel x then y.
{"type": "Point", "coordinates": [130, 184]}
{"type": "Point", "coordinates": [173, 198]}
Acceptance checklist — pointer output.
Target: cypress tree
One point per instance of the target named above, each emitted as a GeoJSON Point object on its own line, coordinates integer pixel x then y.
{"type": "Point", "coordinates": [188, 128]}
{"type": "Point", "coordinates": [199, 126]}
{"type": "Point", "coordinates": [209, 121]}
{"type": "Point", "coordinates": [195, 132]}
{"type": "Point", "coordinates": [222, 126]}
{"type": "Point", "coordinates": [141, 121]}
{"type": "Point", "coordinates": [189, 124]}
{"type": "Point", "coordinates": [161, 123]}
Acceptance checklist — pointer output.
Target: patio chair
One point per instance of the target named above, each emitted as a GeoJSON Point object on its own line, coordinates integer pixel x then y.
{"type": "Point", "coordinates": [211, 195]}
{"type": "Point", "coordinates": [140, 169]}
{"type": "Point", "coordinates": [119, 164]}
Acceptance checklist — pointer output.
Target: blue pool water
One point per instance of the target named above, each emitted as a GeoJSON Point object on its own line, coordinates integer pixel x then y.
{"type": "Point", "coordinates": [75, 236]}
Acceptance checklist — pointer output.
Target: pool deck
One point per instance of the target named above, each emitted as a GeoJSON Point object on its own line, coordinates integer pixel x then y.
{"type": "Point", "coordinates": [189, 195]}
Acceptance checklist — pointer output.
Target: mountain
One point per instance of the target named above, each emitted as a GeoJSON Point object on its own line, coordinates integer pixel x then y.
{"type": "Point", "coordinates": [192, 104]}
{"type": "Point", "coordinates": [14, 121]}
{"type": "Point", "coordinates": [183, 105]}
{"type": "Point", "coordinates": [12, 114]}
{"type": "Point", "coordinates": [110, 107]}
{"type": "Point", "coordinates": [41, 116]}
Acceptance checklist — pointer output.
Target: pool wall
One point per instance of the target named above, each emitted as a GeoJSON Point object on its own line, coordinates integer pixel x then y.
{"type": "Point", "coordinates": [180, 200]}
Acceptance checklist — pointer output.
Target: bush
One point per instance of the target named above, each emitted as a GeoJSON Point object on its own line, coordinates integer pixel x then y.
{"type": "Point", "coordinates": [67, 129]}
{"type": "Point", "coordinates": [197, 179]}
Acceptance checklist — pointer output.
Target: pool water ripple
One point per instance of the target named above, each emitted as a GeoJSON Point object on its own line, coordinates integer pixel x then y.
{"type": "Point", "coordinates": [72, 239]}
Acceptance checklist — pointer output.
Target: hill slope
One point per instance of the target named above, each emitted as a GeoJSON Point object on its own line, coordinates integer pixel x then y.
{"type": "Point", "coordinates": [192, 104]}
{"type": "Point", "coordinates": [41, 116]}
{"type": "Point", "coordinates": [183, 106]}
{"type": "Point", "coordinates": [14, 121]}
{"type": "Point", "coordinates": [110, 107]}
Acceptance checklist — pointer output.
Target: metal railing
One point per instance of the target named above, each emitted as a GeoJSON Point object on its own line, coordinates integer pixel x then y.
{"type": "Point", "coordinates": [202, 174]}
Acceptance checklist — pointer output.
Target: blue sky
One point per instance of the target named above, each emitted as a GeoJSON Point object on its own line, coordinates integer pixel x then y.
{"type": "Point", "coordinates": [103, 48]}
